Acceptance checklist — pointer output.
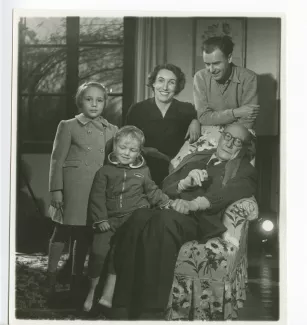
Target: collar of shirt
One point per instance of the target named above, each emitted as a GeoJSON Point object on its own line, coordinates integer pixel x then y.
{"type": "Point", "coordinates": [85, 120]}
{"type": "Point", "coordinates": [214, 157]}
{"type": "Point", "coordinates": [232, 77]}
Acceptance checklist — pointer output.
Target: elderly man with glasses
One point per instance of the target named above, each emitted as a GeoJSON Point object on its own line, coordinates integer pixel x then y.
{"type": "Point", "coordinates": [202, 187]}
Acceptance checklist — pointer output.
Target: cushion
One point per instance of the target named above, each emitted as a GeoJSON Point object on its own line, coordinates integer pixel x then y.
{"type": "Point", "coordinates": [208, 140]}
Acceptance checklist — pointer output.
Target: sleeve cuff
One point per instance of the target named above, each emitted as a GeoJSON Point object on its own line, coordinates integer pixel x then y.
{"type": "Point", "coordinates": [166, 204]}
{"type": "Point", "coordinates": [97, 222]}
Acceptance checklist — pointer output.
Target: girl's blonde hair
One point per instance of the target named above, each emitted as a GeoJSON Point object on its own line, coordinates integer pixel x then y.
{"type": "Point", "coordinates": [130, 131]}
{"type": "Point", "coordinates": [86, 85]}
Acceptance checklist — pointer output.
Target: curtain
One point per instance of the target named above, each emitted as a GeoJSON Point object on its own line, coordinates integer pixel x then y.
{"type": "Point", "coordinates": [150, 51]}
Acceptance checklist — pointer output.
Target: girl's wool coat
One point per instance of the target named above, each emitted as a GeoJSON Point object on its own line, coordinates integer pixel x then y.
{"type": "Point", "coordinates": [78, 152]}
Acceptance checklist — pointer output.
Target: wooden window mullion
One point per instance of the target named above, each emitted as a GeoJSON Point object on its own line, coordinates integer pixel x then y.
{"type": "Point", "coordinates": [72, 70]}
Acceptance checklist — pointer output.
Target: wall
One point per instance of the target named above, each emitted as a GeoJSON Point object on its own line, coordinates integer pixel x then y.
{"type": "Point", "coordinates": [263, 57]}
{"type": "Point", "coordinates": [263, 48]}
{"type": "Point", "coordinates": [180, 51]}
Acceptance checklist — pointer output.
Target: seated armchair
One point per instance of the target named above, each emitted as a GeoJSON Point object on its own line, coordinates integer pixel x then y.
{"type": "Point", "coordinates": [210, 279]}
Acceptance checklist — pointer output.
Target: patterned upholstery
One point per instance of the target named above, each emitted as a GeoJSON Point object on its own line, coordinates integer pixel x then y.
{"type": "Point", "coordinates": [210, 279]}
{"type": "Point", "coordinates": [208, 140]}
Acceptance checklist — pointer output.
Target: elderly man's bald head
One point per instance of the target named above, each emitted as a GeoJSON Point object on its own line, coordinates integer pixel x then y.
{"type": "Point", "coordinates": [234, 137]}
{"type": "Point", "coordinates": [241, 131]}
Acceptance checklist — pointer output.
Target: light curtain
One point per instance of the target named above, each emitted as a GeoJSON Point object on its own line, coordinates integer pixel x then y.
{"type": "Point", "coordinates": [150, 51]}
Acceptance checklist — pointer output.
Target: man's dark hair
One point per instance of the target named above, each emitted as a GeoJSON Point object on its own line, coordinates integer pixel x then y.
{"type": "Point", "coordinates": [180, 83]}
{"type": "Point", "coordinates": [224, 43]}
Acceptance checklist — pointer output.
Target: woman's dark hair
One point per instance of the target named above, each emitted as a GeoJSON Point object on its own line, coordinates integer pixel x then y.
{"type": "Point", "coordinates": [224, 43]}
{"type": "Point", "coordinates": [180, 83]}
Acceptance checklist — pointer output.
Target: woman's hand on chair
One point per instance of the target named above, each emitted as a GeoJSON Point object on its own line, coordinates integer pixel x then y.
{"type": "Point", "coordinates": [194, 131]}
{"type": "Point", "coordinates": [57, 199]}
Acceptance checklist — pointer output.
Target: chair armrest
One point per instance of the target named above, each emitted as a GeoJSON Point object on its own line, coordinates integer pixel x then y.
{"type": "Point", "coordinates": [236, 218]}
{"type": "Point", "coordinates": [246, 208]}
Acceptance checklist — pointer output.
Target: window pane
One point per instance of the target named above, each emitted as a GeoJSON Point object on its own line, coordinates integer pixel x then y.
{"type": "Point", "coordinates": [99, 30]}
{"type": "Point", "coordinates": [51, 30]}
{"type": "Point", "coordinates": [43, 70]}
{"type": "Point", "coordinates": [40, 116]}
{"type": "Point", "coordinates": [104, 65]}
{"type": "Point", "coordinates": [113, 112]}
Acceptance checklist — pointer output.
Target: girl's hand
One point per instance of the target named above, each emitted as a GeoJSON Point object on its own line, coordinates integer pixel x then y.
{"type": "Point", "coordinates": [104, 226]}
{"type": "Point", "coordinates": [57, 199]}
{"type": "Point", "coordinates": [194, 131]}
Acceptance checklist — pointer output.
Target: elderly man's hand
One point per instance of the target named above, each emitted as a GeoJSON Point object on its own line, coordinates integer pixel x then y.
{"type": "Point", "coordinates": [194, 178]}
{"type": "Point", "coordinates": [194, 131]}
{"type": "Point", "coordinates": [180, 206]}
{"type": "Point", "coordinates": [183, 206]}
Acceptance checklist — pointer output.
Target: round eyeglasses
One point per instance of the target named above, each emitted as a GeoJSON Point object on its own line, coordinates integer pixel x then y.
{"type": "Point", "coordinates": [236, 141]}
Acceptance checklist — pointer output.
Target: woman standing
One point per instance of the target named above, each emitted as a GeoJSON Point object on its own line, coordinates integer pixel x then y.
{"type": "Point", "coordinates": [165, 121]}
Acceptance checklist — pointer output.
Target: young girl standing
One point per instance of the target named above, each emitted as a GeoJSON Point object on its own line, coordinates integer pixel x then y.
{"type": "Point", "coordinates": [78, 152]}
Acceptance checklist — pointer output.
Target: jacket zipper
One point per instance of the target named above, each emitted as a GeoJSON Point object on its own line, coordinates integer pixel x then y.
{"type": "Point", "coordinates": [123, 188]}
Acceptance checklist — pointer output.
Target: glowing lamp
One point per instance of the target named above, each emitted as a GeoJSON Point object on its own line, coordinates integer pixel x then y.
{"type": "Point", "coordinates": [267, 225]}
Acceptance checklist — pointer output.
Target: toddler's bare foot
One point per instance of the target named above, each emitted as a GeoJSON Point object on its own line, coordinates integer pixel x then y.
{"type": "Point", "coordinates": [105, 301]}
{"type": "Point", "coordinates": [88, 304]}
{"type": "Point", "coordinates": [108, 291]}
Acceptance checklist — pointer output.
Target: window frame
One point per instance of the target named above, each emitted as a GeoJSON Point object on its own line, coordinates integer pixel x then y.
{"type": "Point", "coordinates": [72, 75]}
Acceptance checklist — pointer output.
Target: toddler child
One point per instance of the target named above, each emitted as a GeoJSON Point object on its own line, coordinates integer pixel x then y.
{"type": "Point", "coordinates": [119, 188]}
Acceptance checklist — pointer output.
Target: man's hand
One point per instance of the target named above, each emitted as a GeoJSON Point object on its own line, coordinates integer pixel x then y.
{"type": "Point", "coordinates": [250, 111]}
{"type": "Point", "coordinates": [194, 131]}
{"type": "Point", "coordinates": [104, 226]}
{"type": "Point", "coordinates": [57, 199]}
{"type": "Point", "coordinates": [180, 206]}
{"type": "Point", "coordinates": [183, 206]}
{"type": "Point", "coordinates": [194, 178]}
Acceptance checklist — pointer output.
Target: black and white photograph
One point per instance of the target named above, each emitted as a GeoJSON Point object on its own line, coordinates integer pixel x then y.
{"type": "Point", "coordinates": [147, 177]}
